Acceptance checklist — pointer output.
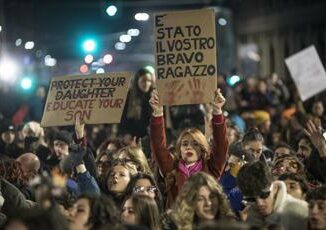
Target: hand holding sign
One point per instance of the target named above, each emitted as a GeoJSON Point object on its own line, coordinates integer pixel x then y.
{"type": "Point", "coordinates": [79, 127]}
{"type": "Point", "coordinates": [155, 104]}
{"type": "Point", "coordinates": [218, 103]}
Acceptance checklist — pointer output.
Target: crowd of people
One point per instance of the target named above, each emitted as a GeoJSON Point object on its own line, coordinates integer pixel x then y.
{"type": "Point", "coordinates": [254, 158]}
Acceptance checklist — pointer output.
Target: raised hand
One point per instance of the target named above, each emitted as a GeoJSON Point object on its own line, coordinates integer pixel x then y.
{"type": "Point", "coordinates": [154, 102]}
{"type": "Point", "coordinates": [218, 102]}
{"type": "Point", "coordinates": [79, 127]}
{"type": "Point", "coordinates": [316, 137]}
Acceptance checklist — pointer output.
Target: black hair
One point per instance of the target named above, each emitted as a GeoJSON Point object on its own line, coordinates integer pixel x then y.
{"type": "Point", "coordinates": [296, 177]}
{"type": "Point", "coordinates": [317, 194]}
{"type": "Point", "coordinates": [253, 178]}
{"type": "Point", "coordinates": [253, 134]}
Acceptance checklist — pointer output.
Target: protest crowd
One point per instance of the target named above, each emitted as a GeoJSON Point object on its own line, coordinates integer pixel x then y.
{"type": "Point", "coordinates": [254, 158]}
{"type": "Point", "coordinates": [142, 151]}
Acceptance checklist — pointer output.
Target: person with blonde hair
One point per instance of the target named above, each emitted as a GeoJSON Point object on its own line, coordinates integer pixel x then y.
{"type": "Point", "coordinates": [201, 200]}
{"type": "Point", "coordinates": [192, 152]}
{"type": "Point", "coordinates": [135, 156]}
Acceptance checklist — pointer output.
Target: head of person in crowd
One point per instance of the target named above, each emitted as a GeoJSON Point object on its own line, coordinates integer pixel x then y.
{"type": "Point", "coordinates": [12, 171]}
{"type": "Point", "coordinates": [255, 180]}
{"type": "Point", "coordinates": [287, 164]}
{"type": "Point", "coordinates": [237, 158]}
{"type": "Point", "coordinates": [144, 183]}
{"type": "Point", "coordinates": [304, 147]}
{"type": "Point", "coordinates": [118, 177]}
{"type": "Point", "coordinates": [134, 155]}
{"type": "Point", "coordinates": [144, 80]}
{"type": "Point", "coordinates": [94, 212]}
{"type": "Point", "coordinates": [61, 142]}
{"type": "Point", "coordinates": [103, 161]}
{"type": "Point", "coordinates": [317, 208]}
{"type": "Point", "coordinates": [36, 218]}
{"type": "Point", "coordinates": [140, 209]}
{"type": "Point", "coordinates": [296, 185]}
{"type": "Point", "coordinates": [30, 164]}
{"type": "Point", "coordinates": [8, 134]}
{"type": "Point", "coordinates": [318, 108]}
{"type": "Point", "coordinates": [192, 146]}
{"type": "Point", "coordinates": [233, 133]}
{"type": "Point", "coordinates": [110, 145]}
{"type": "Point", "coordinates": [283, 149]}
{"type": "Point", "coordinates": [262, 86]}
{"type": "Point", "coordinates": [262, 121]}
{"type": "Point", "coordinates": [33, 134]}
{"type": "Point", "coordinates": [253, 142]}
{"type": "Point", "coordinates": [200, 200]}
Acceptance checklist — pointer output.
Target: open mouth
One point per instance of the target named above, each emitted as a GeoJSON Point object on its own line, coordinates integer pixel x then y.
{"type": "Point", "coordinates": [189, 154]}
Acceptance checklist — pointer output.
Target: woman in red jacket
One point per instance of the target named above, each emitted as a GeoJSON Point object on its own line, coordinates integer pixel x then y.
{"type": "Point", "coordinates": [193, 153]}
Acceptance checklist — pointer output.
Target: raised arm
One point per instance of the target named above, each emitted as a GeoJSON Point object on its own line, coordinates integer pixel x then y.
{"type": "Point", "coordinates": [157, 136]}
{"type": "Point", "coordinates": [220, 142]}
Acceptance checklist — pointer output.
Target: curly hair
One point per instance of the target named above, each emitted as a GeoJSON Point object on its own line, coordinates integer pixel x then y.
{"type": "Point", "coordinates": [12, 171]}
{"type": "Point", "coordinates": [198, 136]}
{"type": "Point", "coordinates": [183, 212]}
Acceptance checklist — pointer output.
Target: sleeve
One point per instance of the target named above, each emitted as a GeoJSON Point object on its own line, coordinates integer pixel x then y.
{"type": "Point", "coordinates": [217, 161]}
{"type": "Point", "coordinates": [87, 184]}
{"type": "Point", "coordinates": [158, 145]}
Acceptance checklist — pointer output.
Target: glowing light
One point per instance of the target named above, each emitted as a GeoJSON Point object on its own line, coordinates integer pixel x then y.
{"type": "Point", "coordinates": [88, 58]}
{"type": "Point", "coordinates": [107, 59]}
{"type": "Point", "coordinates": [233, 80]}
{"type": "Point", "coordinates": [29, 45]}
{"type": "Point", "coordinates": [120, 46]}
{"type": "Point", "coordinates": [49, 61]}
{"type": "Point", "coordinates": [125, 38]}
{"type": "Point", "coordinates": [222, 21]}
{"type": "Point", "coordinates": [8, 70]}
{"type": "Point", "coordinates": [133, 32]}
{"type": "Point", "coordinates": [111, 10]}
{"type": "Point", "coordinates": [26, 83]}
{"type": "Point", "coordinates": [0, 28]}
{"type": "Point", "coordinates": [141, 16]}
{"type": "Point", "coordinates": [18, 42]}
{"type": "Point", "coordinates": [89, 45]}
{"type": "Point", "coordinates": [83, 68]}
{"type": "Point", "coordinates": [100, 70]}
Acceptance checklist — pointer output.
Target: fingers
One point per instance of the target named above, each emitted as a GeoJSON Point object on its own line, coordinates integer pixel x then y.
{"type": "Point", "coordinates": [307, 133]}
{"type": "Point", "coordinates": [311, 127]}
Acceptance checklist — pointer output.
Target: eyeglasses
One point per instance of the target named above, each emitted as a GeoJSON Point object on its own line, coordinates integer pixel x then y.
{"type": "Point", "coordinates": [253, 199]}
{"type": "Point", "coordinates": [141, 189]}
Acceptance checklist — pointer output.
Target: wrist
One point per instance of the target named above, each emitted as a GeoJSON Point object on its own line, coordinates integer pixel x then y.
{"type": "Point", "coordinates": [217, 111]}
{"type": "Point", "coordinates": [158, 112]}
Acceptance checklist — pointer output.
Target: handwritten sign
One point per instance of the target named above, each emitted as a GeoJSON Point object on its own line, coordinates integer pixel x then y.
{"type": "Point", "coordinates": [307, 72]}
{"type": "Point", "coordinates": [185, 56]}
{"type": "Point", "coordinates": [95, 99]}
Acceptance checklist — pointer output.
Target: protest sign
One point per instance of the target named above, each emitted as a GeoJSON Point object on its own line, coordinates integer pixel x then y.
{"type": "Point", "coordinates": [185, 56]}
{"type": "Point", "coordinates": [95, 99]}
{"type": "Point", "coordinates": [307, 72]}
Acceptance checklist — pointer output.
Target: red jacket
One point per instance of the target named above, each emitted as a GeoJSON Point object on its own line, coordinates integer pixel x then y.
{"type": "Point", "coordinates": [174, 179]}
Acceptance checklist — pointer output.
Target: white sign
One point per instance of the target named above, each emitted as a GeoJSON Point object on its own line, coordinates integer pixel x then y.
{"type": "Point", "coordinates": [307, 72]}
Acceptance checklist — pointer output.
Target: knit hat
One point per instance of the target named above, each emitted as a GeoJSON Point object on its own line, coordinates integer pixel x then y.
{"type": "Point", "coordinates": [64, 136]}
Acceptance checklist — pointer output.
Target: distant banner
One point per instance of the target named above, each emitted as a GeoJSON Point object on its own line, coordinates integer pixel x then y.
{"type": "Point", "coordinates": [307, 72]}
{"type": "Point", "coordinates": [95, 99]}
{"type": "Point", "coordinates": [185, 56]}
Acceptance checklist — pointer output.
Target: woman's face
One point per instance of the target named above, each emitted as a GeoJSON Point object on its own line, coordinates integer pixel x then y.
{"type": "Point", "coordinates": [206, 204]}
{"type": "Point", "coordinates": [190, 149]}
{"type": "Point", "coordinates": [231, 134]}
{"type": "Point", "coordinates": [285, 166]}
{"type": "Point", "coordinates": [79, 215]}
{"type": "Point", "coordinates": [103, 165]}
{"type": "Point", "coordinates": [255, 148]}
{"type": "Point", "coordinates": [128, 213]}
{"type": "Point", "coordinates": [144, 186]}
{"type": "Point", "coordinates": [118, 179]}
{"type": "Point", "coordinates": [145, 82]}
{"type": "Point", "coordinates": [294, 189]}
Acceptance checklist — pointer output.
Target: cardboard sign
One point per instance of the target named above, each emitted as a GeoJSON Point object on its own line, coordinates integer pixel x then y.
{"type": "Point", "coordinates": [185, 56]}
{"type": "Point", "coordinates": [98, 98]}
{"type": "Point", "coordinates": [307, 72]}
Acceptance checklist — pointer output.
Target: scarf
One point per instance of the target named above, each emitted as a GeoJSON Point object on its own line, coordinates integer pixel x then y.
{"type": "Point", "coordinates": [188, 171]}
